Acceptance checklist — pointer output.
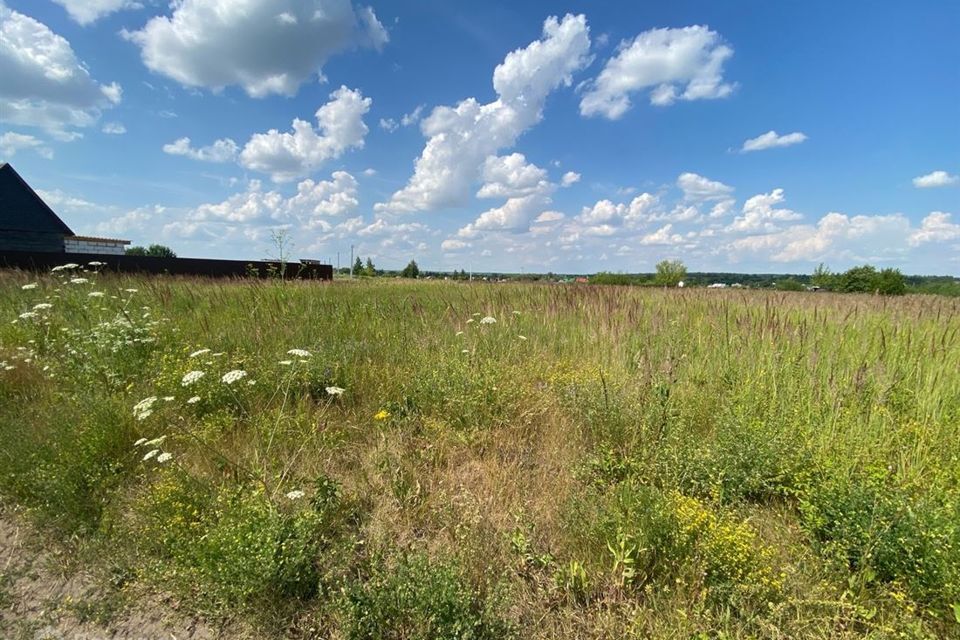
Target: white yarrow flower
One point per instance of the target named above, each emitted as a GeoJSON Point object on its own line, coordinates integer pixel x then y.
{"type": "Point", "coordinates": [488, 320]}
{"type": "Point", "coordinates": [163, 457]}
{"type": "Point", "coordinates": [296, 494]}
{"type": "Point", "coordinates": [300, 353]}
{"type": "Point", "coordinates": [285, 362]}
{"type": "Point", "coordinates": [199, 353]}
{"type": "Point", "coordinates": [232, 376]}
{"type": "Point", "coordinates": [143, 409]}
{"type": "Point", "coordinates": [190, 377]}
{"type": "Point", "coordinates": [139, 442]}
{"type": "Point", "coordinates": [78, 281]}
{"type": "Point", "coordinates": [151, 454]}
{"type": "Point", "coordinates": [335, 391]}
{"type": "Point", "coordinates": [95, 294]}
{"type": "Point", "coordinates": [42, 305]}
{"type": "Point", "coordinates": [26, 315]}
{"type": "Point", "coordinates": [193, 400]}
{"type": "Point", "coordinates": [522, 337]}
{"type": "Point", "coordinates": [27, 287]}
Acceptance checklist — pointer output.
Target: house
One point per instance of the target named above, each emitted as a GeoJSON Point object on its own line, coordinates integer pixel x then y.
{"type": "Point", "coordinates": [27, 224]}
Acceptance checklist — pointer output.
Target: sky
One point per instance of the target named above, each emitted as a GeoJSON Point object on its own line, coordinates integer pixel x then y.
{"type": "Point", "coordinates": [571, 137]}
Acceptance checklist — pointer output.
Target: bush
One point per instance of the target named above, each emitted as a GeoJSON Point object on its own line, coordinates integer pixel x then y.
{"type": "Point", "coordinates": [420, 599]}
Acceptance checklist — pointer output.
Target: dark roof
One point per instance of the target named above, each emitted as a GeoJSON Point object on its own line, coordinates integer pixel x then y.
{"type": "Point", "coordinates": [97, 239]}
{"type": "Point", "coordinates": [21, 209]}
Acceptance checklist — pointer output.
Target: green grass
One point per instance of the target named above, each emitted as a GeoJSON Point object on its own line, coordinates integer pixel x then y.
{"type": "Point", "coordinates": [599, 462]}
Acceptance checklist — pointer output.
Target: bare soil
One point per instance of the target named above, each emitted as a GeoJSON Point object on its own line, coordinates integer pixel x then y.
{"type": "Point", "coordinates": [45, 596]}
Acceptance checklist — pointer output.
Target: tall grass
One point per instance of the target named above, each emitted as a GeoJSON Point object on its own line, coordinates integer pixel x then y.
{"type": "Point", "coordinates": [598, 462]}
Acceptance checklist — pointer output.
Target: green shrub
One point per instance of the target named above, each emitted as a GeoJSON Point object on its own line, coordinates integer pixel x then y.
{"type": "Point", "coordinates": [420, 599]}
{"type": "Point", "coordinates": [889, 534]}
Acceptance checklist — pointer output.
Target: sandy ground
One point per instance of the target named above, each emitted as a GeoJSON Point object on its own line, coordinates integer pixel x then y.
{"type": "Point", "coordinates": [41, 600]}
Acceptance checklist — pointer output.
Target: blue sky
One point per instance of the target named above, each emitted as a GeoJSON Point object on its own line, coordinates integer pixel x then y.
{"type": "Point", "coordinates": [569, 137]}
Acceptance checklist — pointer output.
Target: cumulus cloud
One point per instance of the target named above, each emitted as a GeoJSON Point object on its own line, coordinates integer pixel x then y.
{"type": "Point", "coordinates": [289, 155]}
{"type": "Point", "coordinates": [44, 83]}
{"type": "Point", "coordinates": [462, 137]}
{"type": "Point", "coordinates": [12, 142]}
{"type": "Point", "coordinates": [250, 211]}
{"type": "Point", "coordinates": [936, 227]}
{"type": "Point", "coordinates": [266, 46]}
{"type": "Point", "coordinates": [391, 124]}
{"type": "Point", "coordinates": [223, 150]}
{"type": "Point", "coordinates": [89, 11]}
{"type": "Point", "coordinates": [570, 178]}
{"type": "Point", "coordinates": [512, 176]}
{"type": "Point", "coordinates": [935, 179]}
{"type": "Point", "coordinates": [684, 64]}
{"type": "Point", "coordinates": [759, 213]}
{"type": "Point", "coordinates": [771, 140]}
{"type": "Point", "coordinates": [696, 188]}
{"type": "Point", "coordinates": [114, 128]}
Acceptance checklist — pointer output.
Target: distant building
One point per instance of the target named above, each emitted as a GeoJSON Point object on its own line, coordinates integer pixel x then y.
{"type": "Point", "coordinates": [28, 224]}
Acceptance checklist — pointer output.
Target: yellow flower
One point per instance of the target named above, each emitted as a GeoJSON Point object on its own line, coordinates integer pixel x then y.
{"type": "Point", "coordinates": [383, 414]}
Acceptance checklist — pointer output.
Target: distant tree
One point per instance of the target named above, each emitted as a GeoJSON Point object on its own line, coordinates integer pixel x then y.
{"type": "Point", "coordinates": [890, 282]}
{"type": "Point", "coordinates": [789, 284]}
{"type": "Point", "coordinates": [357, 267]}
{"type": "Point", "coordinates": [857, 280]}
{"type": "Point", "coordinates": [154, 251]}
{"type": "Point", "coordinates": [822, 277]}
{"type": "Point", "coordinates": [670, 273]}
{"type": "Point", "coordinates": [370, 270]}
{"type": "Point", "coordinates": [411, 270]}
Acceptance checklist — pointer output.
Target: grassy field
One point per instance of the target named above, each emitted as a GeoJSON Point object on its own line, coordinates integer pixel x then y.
{"type": "Point", "coordinates": [387, 459]}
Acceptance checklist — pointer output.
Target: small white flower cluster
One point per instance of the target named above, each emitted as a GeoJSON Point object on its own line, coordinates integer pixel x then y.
{"type": "Point", "coordinates": [233, 376]}
{"type": "Point", "coordinates": [96, 263]}
{"type": "Point", "coordinates": [144, 409]}
{"type": "Point", "coordinates": [26, 315]}
{"type": "Point", "coordinates": [296, 494]}
{"type": "Point", "coordinates": [41, 306]}
{"type": "Point", "coordinates": [488, 320]}
{"type": "Point", "coordinates": [64, 267]}
{"type": "Point", "coordinates": [199, 353]}
{"type": "Point", "coordinates": [155, 451]}
{"type": "Point", "coordinates": [27, 287]}
{"type": "Point", "coordinates": [5, 366]}
{"type": "Point", "coordinates": [335, 391]}
{"type": "Point", "coordinates": [79, 281]}
{"type": "Point", "coordinates": [300, 353]}
{"type": "Point", "coordinates": [95, 294]}
{"type": "Point", "coordinates": [190, 377]}
{"type": "Point", "coordinates": [193, 400]}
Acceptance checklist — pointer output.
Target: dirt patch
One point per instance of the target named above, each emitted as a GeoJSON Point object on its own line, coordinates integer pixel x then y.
{"type": "Point", "coordinates": [43, 598]}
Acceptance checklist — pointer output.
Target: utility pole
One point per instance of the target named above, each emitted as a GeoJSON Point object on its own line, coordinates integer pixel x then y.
{"type": "Point", "coordinates": [351, 261]}
{"type": "Point", "coordinates": [338, 262]}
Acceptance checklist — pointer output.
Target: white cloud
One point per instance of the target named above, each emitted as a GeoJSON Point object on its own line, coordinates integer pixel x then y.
{"type": "Point", "coordinates": [771, 139]}
{"type": "Point", "coordinates": [514, 215]}
{"type": "Point", "coordinates": [58, 200]}
{"type": "Point", "coordinates": [12, 142]}
{"type": "Point", "coordinates": [114, 128]}
{"type": "Point", "coordinates": [760, 214]}
{"type": "Point", "coordinates": [935, 179]}
{"type": "Point", "coordinates": [88, 11]}
{"type": "Point", "coordinates": [662, 236]}
{"type": "Point", "coordinates": [388, 124]}
{"type": "Point", "coordinates": [512, 176]}
{"type": "Point", "coordinates": [223, 150]}
{"type": "Point", "coordinates": [549, 216]}
{"type": "Point", "coordinates": [460, 138]}
{"type": "Point", "coordinates": [452, 244]}
{"type": "Point", "coordinates": [286, 156]}
{"type": "Point", "coordinates": [248, 212]}
{"type": "Point", "coordinates": [696, 188]}
{"type": "Point", "coordinates": [413, 117]}
{"type": "Point", "coordinates": [265, 46]}
{"type": "Point", "coordinates": [936, 227]}
{"type": "Point", "coordinates": [684, 64]}
{"type": "Point", "coordinates": [570, 178]}
{"type": "Point", "coordinates": [44, 84]}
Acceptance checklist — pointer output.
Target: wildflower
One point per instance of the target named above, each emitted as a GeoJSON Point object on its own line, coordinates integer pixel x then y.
{"type": "Point", "coordinates": [459, 333]}
{"type": "Point", "coordinates": [168, 398]}
{"type": "Point", "coordinates": [285, 362]}
{"type": "Point", "coordinates": [488, 320]}
{"type": "Point", "coordinates": [469, 320]}
{"type": "Point", "coordinates": [383, 414]}
{"type": "Point", "coordinates": [476, 315]}
{"type": "Point", "coordinates": [465, 351]}
{"type": "Point", "coordinates": [155, 442]}
{"type": "Point", "coordinates": [522, 337]}
{"type": "Point", "coordinates": [64, 267]}
{"type": "Point", "coordinates": [199, 353]}
{"type": "Point", "coordinates": [26, 315]}
{"type": "Point", "coordinates": [151, 454]}
{"type": "Point", "coordinates": [193, 400]}
{"type": "Point", "coordinates": [27, 287]}
{"type": "Point", "coordinates": [42, 305]}
{"type": "Point", "coordinates": [515, 312]}
{"type": "Point", "coordinates": [190, 377]}
{"type": "Point", "coordinates": [143, 409]}
{"type": "Point", "coordinates": [296, 494]}
{"type": "Point", "coordinates": [232, 376]}
{"type": "Point", "coordinates": [96, 263]}
{"type": "Point", "coordinates": [95, 294]}
{"type": "Point", "coordinates": [335, 391]}
{"type": "Point", "coordinates": [163, 457]}
{"type": "Point", "coordinates": [300, 353]}
{"type": "Point", "coordinates": [78, 281]}
{"type": "Point", "coordinates": [131, 290]}
{"type": "Point", "coordinates": [139, 442]}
